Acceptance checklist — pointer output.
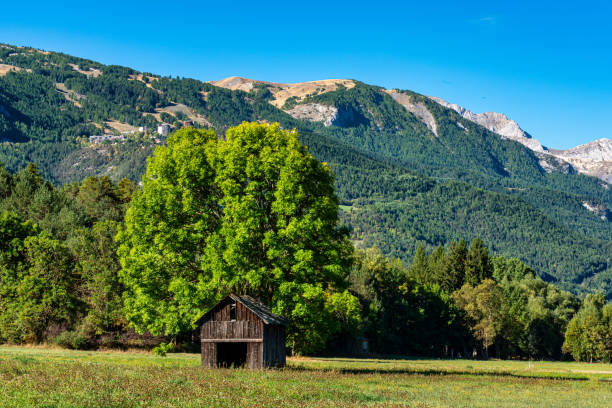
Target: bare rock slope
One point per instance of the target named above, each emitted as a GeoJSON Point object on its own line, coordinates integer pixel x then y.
{"type": "Point", "coordinates": [496, 122]}
{"type": "Point", "coordinates": [593, 159]}
{"type": "Point", "coordinates": [315, 112]}
{"type": "Point", "coordinates": [417, 108]}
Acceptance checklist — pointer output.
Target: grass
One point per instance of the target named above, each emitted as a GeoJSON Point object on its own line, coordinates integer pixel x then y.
{"type": "Point", "coordinates": [42, 377]}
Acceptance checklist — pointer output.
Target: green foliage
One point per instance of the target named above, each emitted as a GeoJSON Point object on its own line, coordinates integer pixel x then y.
{"type": "Point", "coordinates": [95, 250]}
{"type": "Point", "coordinates": [166, 117]}
{"type": "Point", "coordinates": [400, 315]}
{"type": "Point", "coordinates": [589, 333]}
{"type": "Point", "coordinates": [71, 340]}
{"type": "Point", "coordinates": [290, 103]}
{"type": "Point", "coordinates": [58, 269]}
{"type": "Point", "coordinates": [45, 294]}
{"type": "Point", "coordinates": [398, 227]}
{"type": "Point", "coordinates": [443, 304]}
{"type": "Point", "coordinates": [261, 92]}
{"type": "Point", "coordinates": [254, 213]}
{"type": "Point", "coordinates": [517, 312]}
{"type": "Point", "coordinates": [402, 188]}
{"type": "Point", "coordinates": [478, 265]}
{"type": "Point", "coordinates": [404, 184]}
{"type": "Point", "coordinates": [482, 307]}
{"type": "Point", "coordinates": [316, 315]}
{"type": "Point", "coordinates": [163, 349]}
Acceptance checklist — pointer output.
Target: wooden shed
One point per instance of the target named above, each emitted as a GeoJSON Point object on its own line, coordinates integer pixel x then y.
{"type": "Point", "coordinates": [240, 330]}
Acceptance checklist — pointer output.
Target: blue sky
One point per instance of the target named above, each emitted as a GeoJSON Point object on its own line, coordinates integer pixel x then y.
{"type": "Point", "coordinates": [546, 65]}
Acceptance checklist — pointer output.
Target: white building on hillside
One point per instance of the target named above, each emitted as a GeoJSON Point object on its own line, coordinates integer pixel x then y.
{"type": "Point", "coordinates": [163, 129]}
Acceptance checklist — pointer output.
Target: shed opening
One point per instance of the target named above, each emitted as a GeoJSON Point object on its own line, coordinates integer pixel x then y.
{"type": "Point", "coordinates": [233, 312]}
{"type": "Point", "coordinates": [231, 354]}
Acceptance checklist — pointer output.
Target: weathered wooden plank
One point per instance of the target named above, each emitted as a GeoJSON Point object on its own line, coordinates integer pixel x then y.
{"type": "Point", "coordinates": [255, 340]}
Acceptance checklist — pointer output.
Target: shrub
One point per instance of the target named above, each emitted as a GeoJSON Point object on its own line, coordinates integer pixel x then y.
{"type": "Point", "coordinates": [71, 340]}
{"type": "Point", "coordinates": [163, 348]}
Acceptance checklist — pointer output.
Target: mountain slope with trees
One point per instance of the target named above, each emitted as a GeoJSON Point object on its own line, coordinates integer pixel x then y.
{"type": "Point", "coordinates": [400, 184]}
{"type": "Point", "coordinates": [255, 213]}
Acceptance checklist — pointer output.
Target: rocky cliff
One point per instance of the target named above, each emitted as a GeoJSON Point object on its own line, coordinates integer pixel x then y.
{"type": "Point", "coordinates": [496, 122]}
{"type": "Point", "coordinates": [593, 159]}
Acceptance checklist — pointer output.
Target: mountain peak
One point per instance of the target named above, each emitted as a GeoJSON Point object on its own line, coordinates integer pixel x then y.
{"type": "Point", "coordinates": [600, 150]}
{"type": "Point", "coordinates": [497, 123]}
{"type": "Point", "coordinates": [592, 158]}
{"type": "Point", "coordinates": [236, 82]}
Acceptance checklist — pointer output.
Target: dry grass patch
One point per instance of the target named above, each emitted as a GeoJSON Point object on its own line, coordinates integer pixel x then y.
{"type": "Point", "coordinates": [179, 107]}
{"type": "Point", "coordinates": [92, 72]}
{"type": "Point", "coordinates": [5, 69]}
{"type": "Point", "coordinates": [120, 126]}
{"type": "Point", "coordinates": [282, 92]}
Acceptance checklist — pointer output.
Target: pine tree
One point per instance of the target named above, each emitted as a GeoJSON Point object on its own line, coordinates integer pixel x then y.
{"type": "Point", "coordinates": [478, 265]}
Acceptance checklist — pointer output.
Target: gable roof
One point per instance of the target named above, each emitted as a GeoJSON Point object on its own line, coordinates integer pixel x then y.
{"type": "Point", "coordinates": [260, 309]}
{"type": "Point", "coordinates": [254, 305]}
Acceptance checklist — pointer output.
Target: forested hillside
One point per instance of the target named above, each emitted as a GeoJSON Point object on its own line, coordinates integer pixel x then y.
{"type": "Point", "coordinates": [79, 271]}
{"type": "Point", "coordinates": [401, 183]}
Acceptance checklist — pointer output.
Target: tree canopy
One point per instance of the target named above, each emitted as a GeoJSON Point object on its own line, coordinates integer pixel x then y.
{"type": "Point", "coordinates": [253, 213]}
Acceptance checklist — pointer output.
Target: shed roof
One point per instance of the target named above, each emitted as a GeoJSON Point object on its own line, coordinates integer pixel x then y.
{"type": "Point", "coordinates": [257, 307]}
{"type": "Point", "coordinates": [260, 309]}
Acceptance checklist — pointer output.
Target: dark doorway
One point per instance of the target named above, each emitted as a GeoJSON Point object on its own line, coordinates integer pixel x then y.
{"type": "Point", "coordinates": [231, 354]}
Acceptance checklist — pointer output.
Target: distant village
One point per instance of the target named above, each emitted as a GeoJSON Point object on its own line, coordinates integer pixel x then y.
{"type": "Point", "coordinates": [163, 130]}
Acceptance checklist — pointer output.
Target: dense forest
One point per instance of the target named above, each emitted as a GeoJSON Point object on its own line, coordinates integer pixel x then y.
{"type": "Point", "coordinates": [60, 283]}
{"type": "Point", "coordinates": [400, 185]}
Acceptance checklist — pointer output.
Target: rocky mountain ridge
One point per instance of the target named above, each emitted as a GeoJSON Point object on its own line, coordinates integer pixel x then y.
{"type": "Point", "coordinates": [594, 158]}
{"type": "Point", "coordinates": [497, 123]}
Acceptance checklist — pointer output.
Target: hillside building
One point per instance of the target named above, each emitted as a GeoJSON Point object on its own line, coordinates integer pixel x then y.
{"type": "Point", "coordinates": [163, 129]}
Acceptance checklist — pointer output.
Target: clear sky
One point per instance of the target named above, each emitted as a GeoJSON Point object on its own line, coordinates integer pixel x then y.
{"type": "Point", "coordinates": [545, 64]}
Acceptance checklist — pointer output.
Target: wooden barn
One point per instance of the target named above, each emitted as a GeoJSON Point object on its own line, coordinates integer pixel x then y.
{"type": "Point", "coordinates": [239, 331]}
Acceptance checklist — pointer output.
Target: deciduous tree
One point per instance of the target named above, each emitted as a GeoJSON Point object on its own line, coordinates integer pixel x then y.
{"type": "Point", "coordinates": [254, 213]}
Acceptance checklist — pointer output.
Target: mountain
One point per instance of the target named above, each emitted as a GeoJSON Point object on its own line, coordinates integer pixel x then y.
{"type": "Point", "coordinates": [498, 123]}
{"type": "Point", "coordinates": [593, 159]}
{"type": "Point", "coordinates": [409, 170]}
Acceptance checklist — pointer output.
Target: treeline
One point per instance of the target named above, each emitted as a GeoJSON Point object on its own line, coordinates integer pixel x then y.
{"type": "Point", "coordinates": [59, 283]}
{"type": "Point", "coordinates": [460, 301]}
{"type": "Point", "coordinates": [443, 212]}
{"type": "Point", "coordinates": [58, 262]}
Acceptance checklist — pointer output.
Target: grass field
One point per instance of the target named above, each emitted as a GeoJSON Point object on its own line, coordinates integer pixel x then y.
{"type": "Point", "coordinates": [42, 377]}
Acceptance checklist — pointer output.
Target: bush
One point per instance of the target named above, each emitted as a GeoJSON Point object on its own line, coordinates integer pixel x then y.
{"type": "Point", "coordinates": [71, 340]}
{"type": "Point", "coordinates": [163, 348]}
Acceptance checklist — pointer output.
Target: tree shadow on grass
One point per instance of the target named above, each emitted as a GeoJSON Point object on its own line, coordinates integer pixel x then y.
{"type": "Point", "coordinates": [434, 372]}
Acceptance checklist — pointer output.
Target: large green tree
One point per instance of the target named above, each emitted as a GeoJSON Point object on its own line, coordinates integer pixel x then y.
{"type": "Point", "coordinates": [253, 213]}
{"type": "Point", "coordinates": [482, 307]}
{"type": "Point", "coordinates": [589, 333]}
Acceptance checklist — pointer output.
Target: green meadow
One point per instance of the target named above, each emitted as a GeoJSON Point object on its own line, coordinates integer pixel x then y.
{"type": "Point", "coordinates": [43, 377]}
